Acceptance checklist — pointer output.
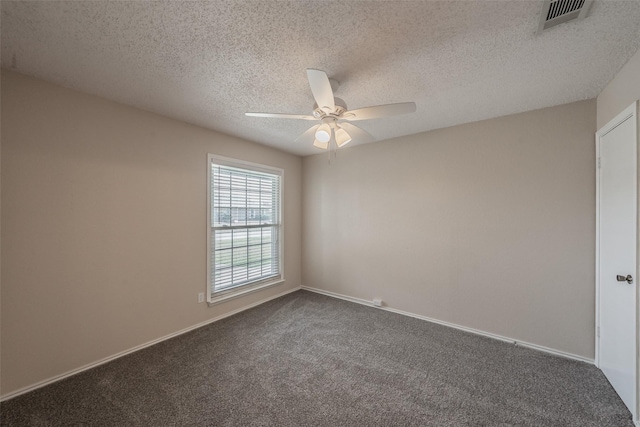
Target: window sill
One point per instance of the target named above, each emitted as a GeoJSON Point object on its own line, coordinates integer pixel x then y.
{"type": "Point", "coordinates": [241, 292]}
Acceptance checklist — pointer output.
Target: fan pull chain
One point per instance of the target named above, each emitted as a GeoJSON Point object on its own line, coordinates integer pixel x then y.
{"type": "Point", "coordinates": [333, 149]}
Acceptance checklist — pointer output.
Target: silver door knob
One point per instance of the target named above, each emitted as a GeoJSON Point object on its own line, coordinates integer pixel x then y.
{"type": "Point", "coordinates": [626, 278]}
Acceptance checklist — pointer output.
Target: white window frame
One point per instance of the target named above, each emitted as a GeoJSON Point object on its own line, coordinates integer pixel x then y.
{"type": "Point", "coordinates": [220, 296]}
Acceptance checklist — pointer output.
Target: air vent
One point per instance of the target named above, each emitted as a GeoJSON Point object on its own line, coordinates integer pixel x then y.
{"type": "Point", "coordinates": [555, 12]}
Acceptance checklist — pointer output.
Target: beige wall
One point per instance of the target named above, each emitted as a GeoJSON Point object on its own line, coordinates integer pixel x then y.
{"type": "Point", "coordinates": [488, 225]}
{"type": "Point", "coordinates": [103, 227]}
{"type": "Point", "coordinates": [620, 92]}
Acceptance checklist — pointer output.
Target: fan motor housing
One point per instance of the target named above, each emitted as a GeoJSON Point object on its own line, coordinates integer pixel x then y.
{"type": "Point", "coordinates": [341, 107]}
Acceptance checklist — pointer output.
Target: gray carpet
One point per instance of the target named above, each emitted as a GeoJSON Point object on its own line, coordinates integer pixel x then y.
{"type": "Point", "coordinates": [310, 360]}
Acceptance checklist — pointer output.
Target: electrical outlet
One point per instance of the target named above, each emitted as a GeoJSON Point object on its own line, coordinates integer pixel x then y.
{"type": "Point", "coordinates": [377, 302]}
{"type": "Point", "coordinates": [201, 297]}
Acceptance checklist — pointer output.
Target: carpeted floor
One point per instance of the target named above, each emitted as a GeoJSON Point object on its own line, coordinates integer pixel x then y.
{"type": "Point", "coordinates": [310, 360]}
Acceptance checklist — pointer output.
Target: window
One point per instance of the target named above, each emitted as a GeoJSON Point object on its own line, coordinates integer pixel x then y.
{"type": "Point", "coordinates": [244, 227]}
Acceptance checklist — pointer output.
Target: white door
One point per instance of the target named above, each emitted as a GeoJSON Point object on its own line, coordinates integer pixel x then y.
{"type": "Point", "coordinates": [617, 299]}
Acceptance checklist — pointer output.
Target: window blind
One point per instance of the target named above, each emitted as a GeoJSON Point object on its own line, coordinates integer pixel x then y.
{"type": "Point", "coordinates": [245, 227]}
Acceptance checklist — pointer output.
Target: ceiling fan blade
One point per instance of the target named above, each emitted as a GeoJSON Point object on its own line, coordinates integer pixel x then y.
{"type": "Point", "coordinates": [281, 116]}
{"type": "Point", "coordinates": [309, 135]}
{"type": "Point", "coordinates": [321, 89]}
{"type": "Point", "coordinates": [380, 111]}
{"type": "Point", "coordinates": [358, 134]}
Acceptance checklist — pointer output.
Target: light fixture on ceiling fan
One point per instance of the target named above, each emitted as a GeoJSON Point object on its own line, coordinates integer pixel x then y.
{"type": "Point", "coordinates": [335, 116]}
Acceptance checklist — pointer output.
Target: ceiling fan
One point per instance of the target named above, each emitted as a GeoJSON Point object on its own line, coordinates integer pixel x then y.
{"type": "Point", "coordinates": [333, 114]}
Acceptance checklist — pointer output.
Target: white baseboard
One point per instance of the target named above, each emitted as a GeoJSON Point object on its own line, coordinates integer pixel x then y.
{"type": "Point", "coordinates": [138, 347]}
{"type": "Point", "coordinates": [453, 325]}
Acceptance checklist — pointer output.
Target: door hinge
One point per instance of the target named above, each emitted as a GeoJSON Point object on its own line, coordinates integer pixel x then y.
{"type": "Point", "coordinates": [599, 162]}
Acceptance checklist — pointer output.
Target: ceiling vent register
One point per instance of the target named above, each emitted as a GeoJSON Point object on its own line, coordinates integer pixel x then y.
{"type": "Point", "coordinates": [555, 12]}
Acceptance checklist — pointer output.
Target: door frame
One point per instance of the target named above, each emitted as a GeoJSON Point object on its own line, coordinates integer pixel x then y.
{"type": "Point", "coordinates": [629, 112]}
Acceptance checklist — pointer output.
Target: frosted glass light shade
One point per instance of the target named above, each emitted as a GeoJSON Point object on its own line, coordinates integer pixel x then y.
{"type": "Point", "coordinates": [342, 137]}
{"type": "Point", "coordinates": [323, 134]}
{"type": "Point", "coordinates": [320, 144]}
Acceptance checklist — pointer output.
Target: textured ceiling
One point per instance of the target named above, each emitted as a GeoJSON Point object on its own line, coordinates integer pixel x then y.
{"type": "Point", "coordinates": [209, 62]}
